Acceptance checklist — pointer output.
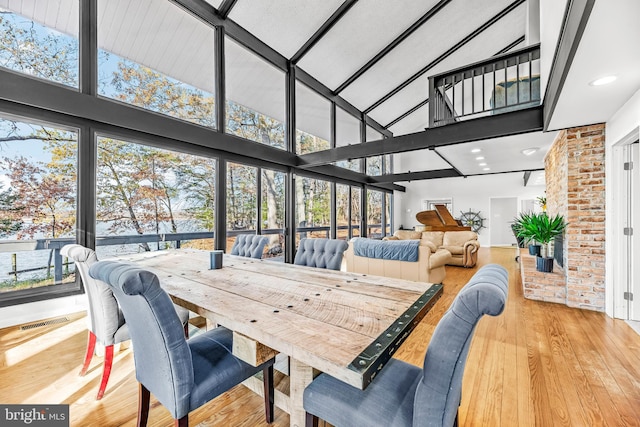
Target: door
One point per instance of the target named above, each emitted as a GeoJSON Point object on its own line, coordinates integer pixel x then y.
{"type": "Point", "coordinates": [503, 211]}
{"type": "Point", "coordinates": [633, 201]}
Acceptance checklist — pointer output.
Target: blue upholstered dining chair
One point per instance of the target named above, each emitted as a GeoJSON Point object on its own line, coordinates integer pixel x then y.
{"type": "Point", "coordinates": [182, 374]}
{"type": "Point", "coordinates": [249, 245]}
{"type": "Point", "coordinates": [107, 324]}
{"type": "Point", "coordinates": [321, 253]}
{"type": "Point", "coordinates": [403, 394]}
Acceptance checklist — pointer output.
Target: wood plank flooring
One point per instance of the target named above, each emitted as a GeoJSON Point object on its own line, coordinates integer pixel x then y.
{"type": "Point", "coordinates": [538, 364]}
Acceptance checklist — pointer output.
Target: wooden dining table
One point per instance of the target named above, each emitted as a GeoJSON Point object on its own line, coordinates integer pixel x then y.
{"type": "Point", "coordinates": [345, 324]}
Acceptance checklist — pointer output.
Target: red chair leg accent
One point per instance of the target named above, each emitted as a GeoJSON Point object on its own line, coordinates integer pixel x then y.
{"type": "Point", "coordinates": [106, 370]}
{"type": "Point", "coordinates": [183, 422]}
{"type": "Point", "coordinates": [91, 345]}
{"type": "Point", "coordinates": [144, 396]}
{"type": "Point", "coordinates": [267, 374]}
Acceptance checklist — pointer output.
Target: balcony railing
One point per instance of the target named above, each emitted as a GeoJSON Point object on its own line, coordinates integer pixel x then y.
{"type": "Point", "coordinates": [499, 84]}
{"type": "Point", "coordinates": [56, 267]}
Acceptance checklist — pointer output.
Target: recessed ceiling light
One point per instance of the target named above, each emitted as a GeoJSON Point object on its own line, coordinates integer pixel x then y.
{"type": "Point", "coordinates": [486, 169]}
{"type": "Point", "coordinates": [476, 150]}
{"type": "Point", "coordinates": [482, 164]}
{"type": "Point", "coordinates": [479, 158]}
{"type": "Point", "coordinates": [529, 151]}
{"type": "Point", "coordinates": [603, 80]}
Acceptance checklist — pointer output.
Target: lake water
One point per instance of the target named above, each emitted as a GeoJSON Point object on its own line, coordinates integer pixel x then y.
{"type": "Point", "coordinates": [26, 260]}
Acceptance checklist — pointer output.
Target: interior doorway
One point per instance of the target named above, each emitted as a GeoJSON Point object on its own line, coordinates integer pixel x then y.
{"type": "Point", "coordinates": [626, 230]}
{"type": "Point", "coordinates": [503, 211]}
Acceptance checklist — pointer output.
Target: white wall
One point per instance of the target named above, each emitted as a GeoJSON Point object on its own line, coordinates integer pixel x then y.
{"type": "Point", "coordinates": [622, 127]}
{"type": "Point", "coordinates": [34, 311]}
{"type": "Point", "coordinates": [472, 193]}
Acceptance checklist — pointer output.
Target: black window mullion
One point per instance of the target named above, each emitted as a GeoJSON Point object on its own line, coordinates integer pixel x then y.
{"type": "Point", "coordinates": [220, 80]}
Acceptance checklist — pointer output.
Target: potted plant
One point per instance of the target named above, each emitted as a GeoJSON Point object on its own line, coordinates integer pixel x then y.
{"type": "Point", "coordinates": [543, 229]}
{"type": "Point", "coordinates": [521, 227]}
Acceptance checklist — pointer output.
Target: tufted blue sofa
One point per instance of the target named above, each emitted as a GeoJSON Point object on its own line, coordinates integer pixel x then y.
{"type": "Point", "coordinates": [428, 268]}
{"type": "Point", "coordinates": [249, 245]}
{"type": "Point", "coordinates": [321, 253]}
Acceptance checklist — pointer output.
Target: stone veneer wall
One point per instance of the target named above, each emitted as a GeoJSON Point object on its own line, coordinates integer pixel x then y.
{"type": "Point", "coordinates": [574, 169]}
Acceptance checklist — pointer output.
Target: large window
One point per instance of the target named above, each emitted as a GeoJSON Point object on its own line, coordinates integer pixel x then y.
{"type": "Point", "coordinates": [255, 97]}
{"type": "Point", "coordinates": [347, 211]}
{"type": "Point", "coordinates": [154, 58]}
{"type": "Point", "coordinates": [313, 207]}
{"type": "Point", "coordinates": [347, 132]}
{"type": "Point", "coordinates": [374, 213]}
{"type": "Point", "coordinates": [313, 121]}
{"type": "Point", "coordinates": [356, 211]}
{"type": "Point", "coordinates": [388, 208]}
{"type": "Point", "coordinates": [161, 61]}
{"type": "Point", "coordinates": [38, 164]}
{"type": "Point", "coordinates": [375, 163]}
{"type": "Point", "coordinates": [272, 212]}
{"type": "Point", "coordinates": [41, 44]}
{"type": "Point", "coordinates": [242, 201]}
{"type": "Point", "coordinates": [151, 199]}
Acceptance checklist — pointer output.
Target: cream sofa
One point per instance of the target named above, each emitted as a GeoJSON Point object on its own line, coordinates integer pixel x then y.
{"type": "Point", "coordinates": [429, 267]}
{"type": "Point", "coordinates": [463, 245]}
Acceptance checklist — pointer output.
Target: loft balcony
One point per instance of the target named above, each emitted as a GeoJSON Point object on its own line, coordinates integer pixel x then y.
{"type": "Point", "coordinates": [500, 84]}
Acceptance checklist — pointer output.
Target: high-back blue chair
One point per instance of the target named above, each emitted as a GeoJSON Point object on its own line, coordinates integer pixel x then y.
{"type": "Point", "coordinates": [321, 253]}
{"type": "Point", "coordinates": [249, 245]}
{"type": "Point", "coordinates": [183, 375]}
{"type": "Point", "coordinates": [107, 324]}
{"type": "Point", "coordinates": [403, 394]}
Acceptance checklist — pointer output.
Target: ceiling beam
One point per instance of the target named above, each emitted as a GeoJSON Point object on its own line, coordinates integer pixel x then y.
{"type": "Point", "coordinates": [408, 113]}
{"type": "Point", "coordinates": [347, 175]}
{"type": "Point", "coordinates": [511, 45]}
{"type": "Point", "coordinates": [225, 8]}
{"type": "Point", "coordinates": [324, 29]}
{"type": "Point", "coordinates": [439, 174]}
{"type": "Point", "coordinates": [424, 18]}
{"type": "Point", "coordinates": [448, 162]}
{"type": "Point", "coordinates": [500, 125]}
{"type": "Point", "coordinates": [416, 176]}
{"type": "Point", "coordinates": [307, 79]}
{"type": "Point", "coordinates": [446, 54]}
{"type": "Point", "coordinates": [210, 15]}
{"type": "Point", "coordinates": [575, 21]}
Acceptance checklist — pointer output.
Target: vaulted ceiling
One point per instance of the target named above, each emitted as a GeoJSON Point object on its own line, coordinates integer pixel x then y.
{"type": "Point", "coordinates": [377, 56]}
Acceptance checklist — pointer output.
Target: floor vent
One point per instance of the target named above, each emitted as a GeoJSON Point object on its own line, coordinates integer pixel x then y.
{"type": "Point", "coordinates": [45, 323]}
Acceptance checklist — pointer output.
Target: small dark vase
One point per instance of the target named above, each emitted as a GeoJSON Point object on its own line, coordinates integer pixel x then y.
{"type": "Point", "coordinates": [544, 265]}
{"type": "Point", "coordinates": [534, 250]}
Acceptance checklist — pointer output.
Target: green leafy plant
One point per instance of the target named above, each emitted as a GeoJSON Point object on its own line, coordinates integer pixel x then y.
{"type": "Point", "coordinates": [539, 227]}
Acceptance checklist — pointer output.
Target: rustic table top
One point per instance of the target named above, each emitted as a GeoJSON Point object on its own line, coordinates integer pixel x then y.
{"type": "Point", "coordinates": [344, 324]}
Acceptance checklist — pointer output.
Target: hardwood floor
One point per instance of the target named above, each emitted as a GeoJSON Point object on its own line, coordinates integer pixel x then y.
{"type": "Point", "coordinates": [538, 364]}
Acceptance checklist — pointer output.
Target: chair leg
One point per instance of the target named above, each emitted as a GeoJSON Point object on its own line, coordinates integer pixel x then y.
{"type": "Point", "coordinates": [186, 330]}
{"type": "Point", "coordinates": [144, 396]}
{"type": "Point", "coordinates": [267, 374]}
{"type": "Point", "coordinates": [182, 422]}
{"type": "Point", "coordinates": [91, 346]}
{"type": "Point", "coordinates": [106, 370]}
{"type": "Point", "coordinates": [311, 420]}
